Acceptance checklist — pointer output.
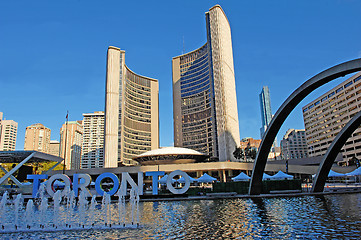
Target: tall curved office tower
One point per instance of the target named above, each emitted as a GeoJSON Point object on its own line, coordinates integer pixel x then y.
{"type": "Point", "coordinates": [131, 112]}
{"type": "Point", "coordinates": [204, 93]}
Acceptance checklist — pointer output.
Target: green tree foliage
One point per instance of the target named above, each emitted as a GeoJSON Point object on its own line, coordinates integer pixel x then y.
{"type": "Point", "coordinates": [38, 168]}
{"type": "Point", "coordinates": [247, 153]}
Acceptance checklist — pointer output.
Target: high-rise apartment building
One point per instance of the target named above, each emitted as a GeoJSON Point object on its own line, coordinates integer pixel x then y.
{"type": "Point", "coordinates": [37, 138]}
{"type": "Point", "coordinates": [131, 112]}
{"type": "Point", "coordinates": [54, 148]}
{"type": "Point", "coordinates": [8, 133]}
{"type": "Point", "coordinates": [204, 93]}
{"type": "Point", "coordinates": [294, 145]}
{"type": "Point", "coordinates": [93, 140]}
{"type": "Point", "coordinates": [328, 114]}
{"type": "Point", "coordinates": [71, 138]}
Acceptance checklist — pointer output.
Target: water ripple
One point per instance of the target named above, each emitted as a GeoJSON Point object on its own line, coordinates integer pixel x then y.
{"type": "Point", "coordinates": [309, 217]}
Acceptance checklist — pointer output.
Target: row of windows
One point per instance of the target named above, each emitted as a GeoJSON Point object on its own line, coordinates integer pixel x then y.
{"type": "Point", "coordinates": [139, 89]}
{"type": "Point", "coordinates": [138, 80]}
{"type": "Point", "coordinates": [196, 104]}
{"type": "Point", "coordinates": [195, 67]}
{"type": "Point", "coordinates": [137, 109]}
{"type": "Point", "coordinates": [200, 56]}
{"type": "Point", "coordinates": [130, 136]}
{"type": "Point", "coordinates": [198, 127]}
{"type": "Point", "coordinates": [198, 81]}
{"type": "Point", "coordinates": [137, 102]}
{"type": "Point", "coordinates": [200, 97]}
{"type": "Point", "coordinates": [193, 77]}
{"type": "Point", "coordinates": [136, 133]}
{"type": "Point", "coordinates": [194, 55]}
{"type": "Point", "coordinates": [193, 87]}
{"type": "Point", "coordinates": [195, 117]}
{"type": "Point", "coordinates": [332, 109]}
{"type": "Point", "coordinates": [200, 108]}
{"type": "Point", "coordinates": [138, 119]}
{"type": "Point", "coordinates": [138, 143]}
{"type": "Point", "coordinates": [139, 114]}
{"type": "Point", "coordinates": [333, 93]}
{"type": "Point", "coordinates": [196, 91]}
{"type": "Point", "coordinates": [129, 91]}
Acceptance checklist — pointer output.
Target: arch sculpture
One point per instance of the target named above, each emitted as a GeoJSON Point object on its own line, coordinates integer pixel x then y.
{"type": "Point", "coordinates": [286, 108]}
{"type": "Point", "coordinates": [332, 152]}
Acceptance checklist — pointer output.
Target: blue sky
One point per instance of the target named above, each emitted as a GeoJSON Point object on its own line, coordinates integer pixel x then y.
{"type": "Point", "coordinates": [53, 53]}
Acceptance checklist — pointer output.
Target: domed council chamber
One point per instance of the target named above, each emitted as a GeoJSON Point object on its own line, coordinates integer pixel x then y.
{"type": "Point", "coordinates": [170, 155]}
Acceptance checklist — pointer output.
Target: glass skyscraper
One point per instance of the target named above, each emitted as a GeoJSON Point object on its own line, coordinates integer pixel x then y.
{"type": "Point", "coordinates": [204, 94]}
{"type": "Point", "coordinates": [266, 112]}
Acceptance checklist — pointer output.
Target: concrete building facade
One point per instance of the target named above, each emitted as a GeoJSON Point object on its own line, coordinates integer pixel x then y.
{"type": "Point", "coordinates": [8, 134]}
{"type": "Point", "coordinates": [54, 148]}
{"type": "Point", "coordinates": [93, 140]}
{"type": "Point", "coordinates": [294, 145]}
{"type": "Point", "coordinates": [71, 139]}
{"type": "Point", "coordinates": [328, 114]}
{"type": "Point", "coordinates": [37, 138]}
{"type": "Point", "coordinates": [204, 95]}
{"type": "Point", "coordinates": [131, 112]}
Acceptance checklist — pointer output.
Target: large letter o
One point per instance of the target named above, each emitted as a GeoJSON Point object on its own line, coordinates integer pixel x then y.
{"type": "Point", "coordinates": [51, 180]}
{"type": "Point", "coordinates": [186, 184]}
{"type": "Point", "coordinates": [99, 179]}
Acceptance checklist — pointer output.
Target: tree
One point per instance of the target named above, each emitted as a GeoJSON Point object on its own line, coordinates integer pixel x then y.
{"type": "Point", "coordinates": [238, 153]}
{"type": "Point", "coordinates": [247, 153]}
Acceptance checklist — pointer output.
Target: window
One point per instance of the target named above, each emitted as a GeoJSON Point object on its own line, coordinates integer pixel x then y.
{"type": "Point", "coordinates": [338, 90]}
{"type": "Point", "coordinates": [356, 79]}
{"type": "Point", "coordinates": [348, 84]}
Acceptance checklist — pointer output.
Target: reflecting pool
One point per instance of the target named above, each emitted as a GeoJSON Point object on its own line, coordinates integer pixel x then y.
{"type": "Point", "coordinates": [308, 217]}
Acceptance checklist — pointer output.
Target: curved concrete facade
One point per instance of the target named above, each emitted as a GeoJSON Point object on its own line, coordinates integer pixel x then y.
{"type": "Point", "coordinates": [332, 152]}
{"type": "Point", "coordinates": [131, 112]}
{"type": "Point", "coordinates": [286, 108]}
{"type": "Point", "coordinates": [204, 93]}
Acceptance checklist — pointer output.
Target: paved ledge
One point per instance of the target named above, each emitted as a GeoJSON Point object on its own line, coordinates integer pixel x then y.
{"type": "Point", "coordinates": [233, 195]}
{"type": "Point", "coordinates": [271, 195]}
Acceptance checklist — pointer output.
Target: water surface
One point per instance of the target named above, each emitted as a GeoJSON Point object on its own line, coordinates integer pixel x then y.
{"type": "Point", "coordinates": [308, 217]}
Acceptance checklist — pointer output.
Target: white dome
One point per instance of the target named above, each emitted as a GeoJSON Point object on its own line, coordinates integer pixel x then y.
{"type": "Point", "coordinates": [170, 151]}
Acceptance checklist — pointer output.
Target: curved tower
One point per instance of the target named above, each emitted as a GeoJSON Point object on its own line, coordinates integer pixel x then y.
{"type": "Point", "coordinates": [204, 93]}
{"type": "Point", "coordinates": [131, 112]}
